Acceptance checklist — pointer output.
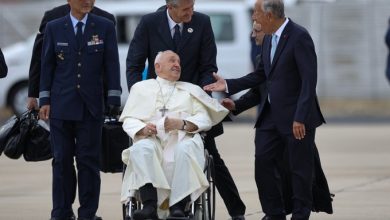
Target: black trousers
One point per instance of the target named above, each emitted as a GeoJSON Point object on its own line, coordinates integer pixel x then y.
{"type": "Point", "coordinates": [224, 181]}
{"type": "Point", "coordinates": [80, 140]}
{"type": "Point", "coordinates": [270, 147]}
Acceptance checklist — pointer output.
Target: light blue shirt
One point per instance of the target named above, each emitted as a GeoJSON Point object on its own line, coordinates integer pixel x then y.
{"type": "Point", "coordinates": [75, 21]}
{"type": "Point", "coordinates": [279, 32]}
{"type": "Point", "coordinates": [172, 25]}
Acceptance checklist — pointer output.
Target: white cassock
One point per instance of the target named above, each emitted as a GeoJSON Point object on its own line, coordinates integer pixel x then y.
{"type": "Point", "coordinates": [173, 162]}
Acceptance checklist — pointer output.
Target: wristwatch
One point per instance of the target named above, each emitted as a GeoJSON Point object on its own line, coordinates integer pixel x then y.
{"type": "Point", "coordinates": [184, 125]}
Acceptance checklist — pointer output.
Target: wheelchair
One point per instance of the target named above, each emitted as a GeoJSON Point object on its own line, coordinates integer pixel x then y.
{"type": "Point", "coordinates": [201, 209]}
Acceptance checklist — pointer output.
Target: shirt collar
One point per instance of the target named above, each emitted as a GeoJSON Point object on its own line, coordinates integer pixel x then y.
{"type": "Point", "coordinates": [164, 82]}
{"type": "Point", "coordinates": [172, 23]}
{"type": "Point", "coordinates": [75, 20]}
{"type": "Point", "coordinates": [281, 28]}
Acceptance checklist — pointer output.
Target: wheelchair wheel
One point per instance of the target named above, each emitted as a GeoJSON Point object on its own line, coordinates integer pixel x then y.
{"type": "Point", "coordinates": [205, 205]}
{"type": "Point", "coordinates": [209, 197]}
{"type": "Point", "coordinates": [129, 208]}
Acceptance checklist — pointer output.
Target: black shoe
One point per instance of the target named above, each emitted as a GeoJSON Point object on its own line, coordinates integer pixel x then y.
{"type": "Point", "coordinates": [238, 217]}
{"type": "Point", "coordinates": [73, 217]}
{"type": "Point", "coordinates": [68, 218]}
{"type": "Point", "coordinates": [94, 218]}
{"type": "Point", "coordinates": [268, 217]}
{"type": "Point", "coordinates": [97, 218]}
{"type": "Point", "coordinates": [148, 212]}
{"type": "Point", "coordinates": [176, 211]}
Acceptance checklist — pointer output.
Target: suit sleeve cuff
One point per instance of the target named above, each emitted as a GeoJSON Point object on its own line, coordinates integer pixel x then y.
{"type": "Point", "coordinates": [44, 101]}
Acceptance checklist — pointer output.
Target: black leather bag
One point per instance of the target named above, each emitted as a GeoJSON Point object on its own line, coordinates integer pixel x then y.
{"type": "Point", "coordinates": [15, 143]}
{"type": "Point", "coordinates": [10, 127]}
{"type": "Point", "coordinates": [114, 141]}
{"type": "Point", "coordinates": [37, 146]}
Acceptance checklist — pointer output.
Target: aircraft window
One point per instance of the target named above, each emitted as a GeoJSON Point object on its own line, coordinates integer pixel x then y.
{"type": "Point", "coordinates": [126, 25]}
{"type": "Point", "coordinates": [222, 26]}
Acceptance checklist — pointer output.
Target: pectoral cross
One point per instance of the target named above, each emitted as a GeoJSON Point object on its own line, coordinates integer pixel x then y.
{"type": "Point", "coordinates": [163, 110]}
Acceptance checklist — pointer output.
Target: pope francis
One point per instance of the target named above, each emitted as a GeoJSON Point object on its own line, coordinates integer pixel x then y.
{"type": "Point", "coordinates": [164, 116]}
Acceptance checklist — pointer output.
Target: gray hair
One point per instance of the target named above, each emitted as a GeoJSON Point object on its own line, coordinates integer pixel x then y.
{"type": "Point", "coordinates": [160, 54]}
{"type": "Point", "coordinates": [172, 2]}
{"type": "Point", "coordinates": [275, 7]}
{"type": "Point", "coordinates": [158, 57]}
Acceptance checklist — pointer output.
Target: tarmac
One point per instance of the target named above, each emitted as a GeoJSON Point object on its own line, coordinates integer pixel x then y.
{"type": "Point", "coordinates": [355, 158]}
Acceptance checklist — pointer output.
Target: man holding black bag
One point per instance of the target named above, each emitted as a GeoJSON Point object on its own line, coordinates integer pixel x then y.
{"type": "Point", "coordinates": [76, 49]}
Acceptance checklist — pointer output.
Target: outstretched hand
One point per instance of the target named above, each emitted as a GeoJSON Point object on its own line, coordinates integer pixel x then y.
{"type": "Point", "coordinates": [218, 86]}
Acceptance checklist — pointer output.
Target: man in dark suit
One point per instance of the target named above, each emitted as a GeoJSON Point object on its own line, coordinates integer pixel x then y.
{"type": "Point", "coordinates": [3, 66]}
{"type": "Point", "coordinates": [291, 114]}
{"type": "Point", "coordinates": [35, 64]}
{"type": "Point", "coordinates": [190, 35]}
{"type": "Point", "coordinates": [322, 198]}
{"type": "Point", "coordinates": [76, 49]}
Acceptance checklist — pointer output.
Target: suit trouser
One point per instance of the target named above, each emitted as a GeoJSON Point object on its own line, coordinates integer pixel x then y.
{"type": "Point", "coordinates": [224, 181]}
{"type": "Point", "coordinates": [270, 145]}
{"type": "Point", "coordinates": [82, 140]}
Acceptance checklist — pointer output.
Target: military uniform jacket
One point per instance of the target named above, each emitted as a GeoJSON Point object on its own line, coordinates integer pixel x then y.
{"type": "Point", "coordinates": [72, 78]}
{"type": "Point", "coordinates": [35, 65]}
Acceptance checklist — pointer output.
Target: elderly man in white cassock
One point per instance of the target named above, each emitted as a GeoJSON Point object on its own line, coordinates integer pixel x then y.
{"type": "Point", "coordinates": [164, 116]}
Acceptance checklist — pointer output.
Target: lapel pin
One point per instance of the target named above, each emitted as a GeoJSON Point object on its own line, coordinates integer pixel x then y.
{"type": "Point", "coordinates": [190, 30]}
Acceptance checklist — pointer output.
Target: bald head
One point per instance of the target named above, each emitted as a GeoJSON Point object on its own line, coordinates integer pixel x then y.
{"type": "Point", "coordinates": [167, 65]}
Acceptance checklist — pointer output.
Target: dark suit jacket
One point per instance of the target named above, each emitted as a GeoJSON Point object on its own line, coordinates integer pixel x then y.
{"type": "Point", "coordinates": [71, 80]}
{"type": "Point", "coordinates": [290, 80]}
{"type": "Point", "coordinates": [322, 198]}
{"type": "Point", "coordinates": [197, 50]}
{"type": "Point", "coordinates": [255, 96]}
{"type": "Point", "coordinates": [35, 65]}
{"type": "Point", "coordinates": [3, 65]}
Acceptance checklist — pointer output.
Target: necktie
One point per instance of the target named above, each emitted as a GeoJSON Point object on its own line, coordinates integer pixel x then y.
{"type": "Point", "coordinates": [274, 44]}
{"type": "Point", "coordinates": [176, 36]}
{"type": "Point", "coordinates": [79, 34]}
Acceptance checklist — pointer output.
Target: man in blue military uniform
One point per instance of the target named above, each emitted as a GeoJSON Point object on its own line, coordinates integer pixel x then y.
{"type": "Point", "coordinates": [76, 49]}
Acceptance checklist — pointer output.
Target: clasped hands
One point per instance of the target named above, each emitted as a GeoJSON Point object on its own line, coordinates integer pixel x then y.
{"type": "Point", "coordinates": [169, 125]}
